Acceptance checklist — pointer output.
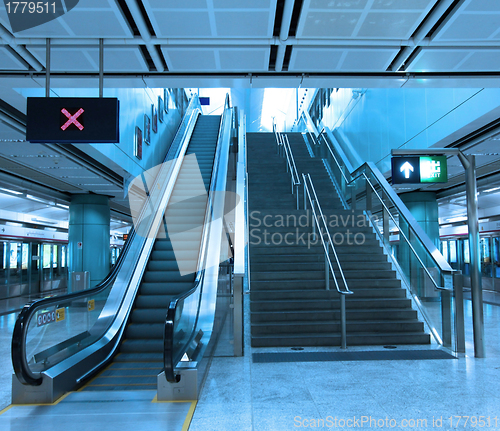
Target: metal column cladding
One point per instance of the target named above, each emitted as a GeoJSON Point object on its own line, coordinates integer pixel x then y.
{"type": "Point", "coordinates": [91, 120]}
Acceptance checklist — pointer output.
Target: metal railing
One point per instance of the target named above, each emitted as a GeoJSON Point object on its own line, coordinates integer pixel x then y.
{"type": "Point", "coordinates": [366, 186]}
{"type": "Point", "coordinates": [319, 223]}
{"type": "Point", "coordinates": [284, 150]}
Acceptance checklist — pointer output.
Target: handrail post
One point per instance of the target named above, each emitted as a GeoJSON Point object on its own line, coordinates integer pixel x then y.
{"type": "Point", "coordinates": [343, 184]}
{"type": "Point", "coordinates": [458, 290]}
{"type": "Point", "coordinates": [343, 323]}
{"type": "Point", "coordinates": [312, 221]}
{"type": "Point", "coordinates": [297, 191]}
{"type": "Point", "coordinates": [327, 266]}
{"type": "Point", "coordinates": [368, 197]}
{"type": "Point", "coordinates": [446, 317]}
{"type": "Point", "coordinates": [305, 196]}
{"type": "Point", "coordinates": [385, 220]}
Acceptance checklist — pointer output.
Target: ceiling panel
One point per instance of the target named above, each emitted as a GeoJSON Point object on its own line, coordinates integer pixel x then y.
{"type": "Point", "coordinates": [483, 6]}
{"type": "Point", "coordinates": [190, 59]}
{"type": "Point", "coordinates": [174, 4]}
{"type": "Point", "coordinates": [315, 59]}
{"type": "Point", "coordinates": [357, 60]}
{"type": "Point", "coordinates": [403, 4]}
{"type": "Point", "coordinates": [392, 25]}
{"type": "Point", "coordinates": [88, 19]}
{"type": "Point", "coordinates": [471, 27]}
{"type": "Point", "coordinates": [65, 58]}
{"type": "Point", "coordinates": [181, 23]}
{"type": "Point", "coordinates": [437, 60]}
{"type": "Point", "coordinates": [86, 59]}
{"type": "Point", "coordinates": [10, 61]}
{"type": "Point", "coordinates": [484, 60]}
{"type": "Point", "coordinates": [128, 59]}
{"type": "Point", "coordinates": [244, 59]}
{"type": "Point", "coordinates": [329, 24]}
{"type": "Point", "coordinates": [244, 24]}
{"type": "Point", "coordinates": [244, 4]}
{"type": "Point", "coordinates": [85, 24]}
{"type": "Point", "coordinates": [336, 4]}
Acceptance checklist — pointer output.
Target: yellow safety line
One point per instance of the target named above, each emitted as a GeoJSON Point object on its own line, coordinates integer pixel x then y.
{"type": "Point", "coordinates": [6, 409]}
{"type": "Point", "coordinates": [55, 403]}
{"type": "Point", "coordinates": [189, 416]}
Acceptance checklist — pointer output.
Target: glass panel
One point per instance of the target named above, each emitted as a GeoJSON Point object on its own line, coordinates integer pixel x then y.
{"type": "Point", "coordinates": [56, 333]}
{"type": "Point", "coordinates": [3, 270]}
{"type": "Point", "coordinates": [444, 250]}
{"type": "Point", "coordinates": [485, 257]}
{"type": "Point", "coordinates": [46, 255]}
{"type": "Point", "coordinates": [453, 252]}
{"type": "Point", "coordinates": [13, 255]}
{"type": "Point", "coordinates": [54, 256]}
{"type": "Point", "coordinates": [63, 256]}
{"type": "Point", "coordinates": [466, 257]}
{"type": "Point", "coordinates": [25, 256]}
{"type": "Point", "coordinates": [496, 256]}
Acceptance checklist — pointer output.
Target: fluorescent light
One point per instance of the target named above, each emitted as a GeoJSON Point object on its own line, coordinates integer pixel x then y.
{"type": "Point", "coordinates": [11, 191]}
{"type": "Point", "coordinates": [445, 225]}
{"type": "Point", "coordinates": [491, 190]}
{"type": "Point", "coordinates": [44, 201]}
{"type": "Point", "coordinates": [457, 219]}
{"type": "Point", "coordinates": [62, 206]}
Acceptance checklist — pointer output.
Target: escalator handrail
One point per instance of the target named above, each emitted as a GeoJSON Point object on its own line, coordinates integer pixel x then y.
{"type": "Point", "coordinates": [18, 350]}
{"type": "Point", "coordinates": [169, 360]}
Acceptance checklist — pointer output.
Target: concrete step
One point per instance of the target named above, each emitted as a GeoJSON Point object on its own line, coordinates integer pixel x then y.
{"type": "Point", "coordinates": [353, 284]}
{"type": "Point", "coordinates": [329, 326]}
{"type": "Point", "coordinates": [271, 265]}
{"type": "Point", "coordinates": [311, 305]}
{"type": "Point", "coordinates": [323, 294]}
{"type": "Point", "coordinates": [320, 275]}
{"type": "Point", "coordinates": [351, 314]}
{"type": "Point", "coordinates": [360, 339]}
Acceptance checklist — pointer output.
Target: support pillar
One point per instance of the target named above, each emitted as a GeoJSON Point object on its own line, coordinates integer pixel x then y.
{"type": "Point", "coordinates": [89, 226]}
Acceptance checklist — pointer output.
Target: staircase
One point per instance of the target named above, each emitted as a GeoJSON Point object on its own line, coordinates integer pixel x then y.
{"type": "Point", "coordinates": [168, 273]}
{"type": "Point", "coordinates": [289, 303]}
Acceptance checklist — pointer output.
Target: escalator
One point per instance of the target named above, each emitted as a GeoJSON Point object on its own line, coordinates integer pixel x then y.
{"type": "Point", "coordinates": [158, 299]}
{"type": "Point", "coordinates": [140, 357]}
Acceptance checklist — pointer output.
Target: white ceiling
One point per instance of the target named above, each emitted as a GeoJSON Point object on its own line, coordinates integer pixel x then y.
{"type": "Point", "coordinates": [233, 43]}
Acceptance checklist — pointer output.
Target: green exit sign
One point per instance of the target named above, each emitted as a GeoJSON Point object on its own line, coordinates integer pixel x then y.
{"type": "Point", "coordinates": [433, 169]}
{"type": "Point", "coordinates": [424, 169]}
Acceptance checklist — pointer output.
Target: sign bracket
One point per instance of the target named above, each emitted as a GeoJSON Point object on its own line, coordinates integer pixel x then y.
{"type": "Point", "coordinates": [469, 164]}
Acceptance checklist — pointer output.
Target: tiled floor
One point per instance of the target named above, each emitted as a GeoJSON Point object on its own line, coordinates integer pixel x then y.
{"type": "Point", "coordinates": [241, 395]}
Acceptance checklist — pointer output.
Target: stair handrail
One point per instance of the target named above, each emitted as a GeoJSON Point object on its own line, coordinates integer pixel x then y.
{"type": "Point", "coordinates": [321, 224]}
{"type": "Point", "coordinates": [170, 359]}
{"type": "Point", "coordinates": [284, 149]}
{"type": "Point", "coordinates": [432, 250]}
{"type": "Point", "coordinates": [18, 353]}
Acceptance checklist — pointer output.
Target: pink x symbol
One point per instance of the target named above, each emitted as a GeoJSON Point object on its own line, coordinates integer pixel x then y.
{"type": "Point", "coordinates": [72, 119]}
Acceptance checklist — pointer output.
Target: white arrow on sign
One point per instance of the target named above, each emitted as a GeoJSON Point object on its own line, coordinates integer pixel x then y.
{"type": "Point", "coordinates": [406, 168]}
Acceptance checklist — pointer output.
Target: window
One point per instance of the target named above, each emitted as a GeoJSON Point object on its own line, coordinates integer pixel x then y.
{"type": "Point", "coordinates": [25, 256]}
{"type": "Point", "coordinates": [444, 250]}
{"type": "Point", "coordinates": [13, 255]}
{"type": "Point", "coordinates": [453, 251]}
{"type": "Point", "coordinates": [46, 256]}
